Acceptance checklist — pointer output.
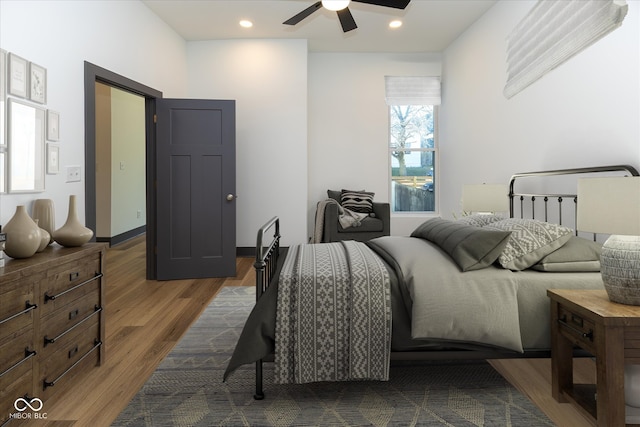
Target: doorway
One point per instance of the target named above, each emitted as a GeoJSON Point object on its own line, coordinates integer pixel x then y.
{"type": "Point", "coordinates": [92, 75]}
{"type": "Point", "coordinates": [190, 179]}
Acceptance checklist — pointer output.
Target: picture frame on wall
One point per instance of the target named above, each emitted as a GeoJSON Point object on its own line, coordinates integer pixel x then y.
{"type": "Point", "coordinates": [53, 125]}
{"type": "Point", "coordinates": [18, 76]}
{"type": "Point", "coordinates": [26, 147]}
{"type": "Point", "coordinates": [38, 83]}
{"type": "Point", "coordinates": [3, 171]}
{"type": "Point", "coordinates": [53, 159]}
{"type": "Point", "coordinates": [3, 97]}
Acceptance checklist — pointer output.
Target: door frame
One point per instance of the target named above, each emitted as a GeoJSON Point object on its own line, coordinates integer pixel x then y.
{"type": "Point", "coordinates": [93, 74]}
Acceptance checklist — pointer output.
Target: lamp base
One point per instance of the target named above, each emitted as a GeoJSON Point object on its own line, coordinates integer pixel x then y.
{"type": "Point", "coordinates": [620, 269]}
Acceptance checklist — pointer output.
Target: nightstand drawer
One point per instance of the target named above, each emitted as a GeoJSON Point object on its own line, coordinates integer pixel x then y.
{"type": "Point", "coordinates": [576, 328]}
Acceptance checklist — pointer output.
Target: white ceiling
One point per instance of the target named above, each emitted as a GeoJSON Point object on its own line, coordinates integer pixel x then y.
{"type": "Point", "coordinates": [428, 25]}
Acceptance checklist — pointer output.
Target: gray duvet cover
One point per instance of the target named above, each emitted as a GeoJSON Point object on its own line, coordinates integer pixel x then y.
{"type": "Point", "coordinates": [435, 306]}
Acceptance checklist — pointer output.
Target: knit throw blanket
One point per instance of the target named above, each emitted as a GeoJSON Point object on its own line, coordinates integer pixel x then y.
{"type": "Point", "coordinates": [333, 318]}
{"type": "Point", "coordinates": [346, 217]}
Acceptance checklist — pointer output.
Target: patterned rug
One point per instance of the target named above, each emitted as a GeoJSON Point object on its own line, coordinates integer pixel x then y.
{"type": "Point", "coordinates": [187, 388]}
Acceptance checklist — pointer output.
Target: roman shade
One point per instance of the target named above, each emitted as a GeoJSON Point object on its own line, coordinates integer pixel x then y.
{"type": "Point", "coordinates": [554, 31]}
{"type": "Point", "coordinates": [412, 90]}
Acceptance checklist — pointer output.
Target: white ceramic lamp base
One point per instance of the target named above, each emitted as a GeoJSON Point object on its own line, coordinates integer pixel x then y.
{"type": "Point", "coordinates": [620, 268]}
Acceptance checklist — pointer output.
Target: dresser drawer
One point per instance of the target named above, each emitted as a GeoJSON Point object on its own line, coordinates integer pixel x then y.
{"type": "Point", "coordinates": [16, 349]}
{"type": "Point", "coordinates": [17, 384]}
{"type": "Point", "coordinates": [74, 315]}
{"type": "Point", "coordinates": [576, 328]}
{"type": "Point", "coordinates": [69, 281]}
{"type": "Point", "coordinates": [71, 354]}
{"type": "Point", "coordinates": [17, 306]}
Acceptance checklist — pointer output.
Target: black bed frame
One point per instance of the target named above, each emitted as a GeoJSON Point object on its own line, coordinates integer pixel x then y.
{"type": "Point", "coordinates": [267, 256]}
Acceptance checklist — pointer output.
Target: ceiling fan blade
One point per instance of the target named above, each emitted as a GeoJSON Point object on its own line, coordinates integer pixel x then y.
{"type": "Point", "coordinates": [396, 4]}
{"type": "Point", "coordinates": [346, 20]}
{"type": "Point", "coordinates": [300, 16]}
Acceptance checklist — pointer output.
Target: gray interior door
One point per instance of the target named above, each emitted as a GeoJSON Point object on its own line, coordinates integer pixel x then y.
{"type": "Point", "coordinates": [196, 180]}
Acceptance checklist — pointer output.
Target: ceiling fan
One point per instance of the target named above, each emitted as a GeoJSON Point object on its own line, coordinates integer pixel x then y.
{"type": "Point", "coordinates": [342, 9]}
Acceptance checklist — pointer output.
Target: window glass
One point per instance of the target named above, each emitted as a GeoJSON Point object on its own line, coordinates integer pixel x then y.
{"type": "Point", "coordinates": [412, 149]}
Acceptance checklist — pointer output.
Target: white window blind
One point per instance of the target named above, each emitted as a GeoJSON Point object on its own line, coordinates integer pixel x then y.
{"type": "Point", "coordinates": [412, 90]}
{"type": "Point", "coordinates": [554, 31]}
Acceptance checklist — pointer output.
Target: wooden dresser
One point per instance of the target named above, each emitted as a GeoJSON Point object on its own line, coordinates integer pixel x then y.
{"type": "Point", "coordinates": [51, 325]}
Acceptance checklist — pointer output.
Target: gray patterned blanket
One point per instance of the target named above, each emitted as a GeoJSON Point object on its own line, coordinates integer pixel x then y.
{"type": "Point", "coordinates": [333, 315]}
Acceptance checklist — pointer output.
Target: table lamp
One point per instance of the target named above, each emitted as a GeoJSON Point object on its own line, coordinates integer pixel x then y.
{"type": "Point", "coordinates": [612, 206]}
{"type": "Point", "coordinates": [485, 198]}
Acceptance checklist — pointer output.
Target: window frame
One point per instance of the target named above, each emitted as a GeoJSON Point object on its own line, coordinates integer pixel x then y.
{"type": "Point", "coordinates": [436, 161]}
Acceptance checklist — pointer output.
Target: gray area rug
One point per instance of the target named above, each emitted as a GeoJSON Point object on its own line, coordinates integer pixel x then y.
{"type": "Point", "coordinates": [187, 388]}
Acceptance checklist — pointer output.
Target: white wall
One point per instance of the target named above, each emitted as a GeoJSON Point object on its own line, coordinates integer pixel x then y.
{"type": "Point", "coordinates": [268, 80]}
{"type": "Point", "coordinates": [128, 162]}
{"type": "Point", "coordinates": [349, 125]}
{"type": "Point", "coordinates": [586, 112]}
{"type": "Point", "coordinates": [122, 36]}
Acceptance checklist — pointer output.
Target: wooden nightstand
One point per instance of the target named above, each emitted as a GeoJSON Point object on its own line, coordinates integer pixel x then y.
{"type": "Point", "coordinates": [609, 331]}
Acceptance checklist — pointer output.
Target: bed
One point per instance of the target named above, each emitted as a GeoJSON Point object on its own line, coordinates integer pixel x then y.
{"type": "Point", "coordinates": [473, 288]}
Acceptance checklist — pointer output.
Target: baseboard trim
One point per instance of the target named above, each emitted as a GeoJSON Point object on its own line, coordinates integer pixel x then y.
{"type": "Point", "coordinates": [123, 237]}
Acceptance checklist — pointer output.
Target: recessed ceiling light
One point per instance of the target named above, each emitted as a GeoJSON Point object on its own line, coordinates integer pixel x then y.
{"type": "Point", "coordinates": [395, 24]}
{"type": "Point", "coordinates": [246, 23]}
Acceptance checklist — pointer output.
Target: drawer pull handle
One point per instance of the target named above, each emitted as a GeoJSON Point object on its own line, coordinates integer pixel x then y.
{"type": "Point", "coordinates": [28, 308]}
{"type": "Point", "coordinates": [28, 354]}
{"type": "Point", "coordinates": [564, 323]}
{"type": "Point", "coordinates": [73, 352]}
{"type": "Point", "coordinates": [48, 341]}
{"type": "Point", "coordinates": [45, 384]}
{"type": "Point", "coordinates": [48, 297]}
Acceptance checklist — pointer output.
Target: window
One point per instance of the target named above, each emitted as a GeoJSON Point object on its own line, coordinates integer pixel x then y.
{"type": "Point", "coordinates": [412, 152]}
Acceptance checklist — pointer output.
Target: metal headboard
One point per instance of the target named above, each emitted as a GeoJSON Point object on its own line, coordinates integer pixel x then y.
{"type": "Point", "coordinates": [556, 197]}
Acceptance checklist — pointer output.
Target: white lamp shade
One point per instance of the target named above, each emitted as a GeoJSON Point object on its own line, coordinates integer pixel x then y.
{"type": "Point", "coordinates": [485, 198]}
{"type": "Point", "coordinates": [609, 205]}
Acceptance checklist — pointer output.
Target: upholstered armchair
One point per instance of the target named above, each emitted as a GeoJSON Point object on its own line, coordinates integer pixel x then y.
{"type": "Point", "coordinates": [375, 225]}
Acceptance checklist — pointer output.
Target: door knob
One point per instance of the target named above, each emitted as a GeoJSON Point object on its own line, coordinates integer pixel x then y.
{"type": "Point", "coordinates": [230, 197]}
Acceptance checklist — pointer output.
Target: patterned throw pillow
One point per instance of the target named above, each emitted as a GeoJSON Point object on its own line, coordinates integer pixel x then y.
{"type": "Point", "coordinates": [357, 201]}
{"type": "Point", "coordinates": [530, 241]}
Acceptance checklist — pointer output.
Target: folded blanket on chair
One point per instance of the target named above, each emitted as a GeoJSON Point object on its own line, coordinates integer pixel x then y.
{"type": "Point", "coordinates": [346, 217]}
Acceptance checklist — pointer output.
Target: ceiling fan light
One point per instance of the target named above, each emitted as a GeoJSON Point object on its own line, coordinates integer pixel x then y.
{"type": "Point", "coordinates": [335, 4]}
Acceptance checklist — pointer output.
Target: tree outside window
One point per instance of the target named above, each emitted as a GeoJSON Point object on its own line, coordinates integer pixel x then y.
{"type": "Point", "coordinates": [412, 148]}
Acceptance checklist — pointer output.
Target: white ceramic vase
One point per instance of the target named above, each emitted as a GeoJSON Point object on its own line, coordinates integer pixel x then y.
{"type": "Point", "coordinates": [632, 385]}
{"type": "Point", "coordinates": [45, 237]}
{"type": "Point", "coordinates": [72, 233]}
{"type": "Point", "coordinates": [23, 235]}
{"type": "Point", "coordinates": [44, 212]}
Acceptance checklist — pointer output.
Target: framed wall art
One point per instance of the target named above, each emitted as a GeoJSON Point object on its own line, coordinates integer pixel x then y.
{"type": "Point", "coordinates": [18, 76]}
{"type": "Point", "coordinates": [3, 97]}
{"type": "Point", "coordinates": [53, 159]}
{"type": "Point", "coordinates": [26, 162]}
{"type": "Point", "coordinates": [38, 83]}
{"type": "Point", "coordinates": [53, 125]}
{"type": "Point", "coordinates": [3, 171]}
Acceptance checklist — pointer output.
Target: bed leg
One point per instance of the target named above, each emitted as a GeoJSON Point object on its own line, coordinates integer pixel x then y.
{"type": "Point", "coordinates": [259, 392]}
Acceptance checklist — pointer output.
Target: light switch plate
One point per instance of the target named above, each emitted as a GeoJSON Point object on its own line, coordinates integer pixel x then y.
{"type": "Point", "coordinates": [73, 173]}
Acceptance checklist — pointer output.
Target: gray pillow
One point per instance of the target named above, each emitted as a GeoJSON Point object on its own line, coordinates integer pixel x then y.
{"type": "Point", "coordinates": [472, 248]}
{"type": "Point", "coordinates": [530, 241]}
{"type": "Point", "coordinates": [577, 254]}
